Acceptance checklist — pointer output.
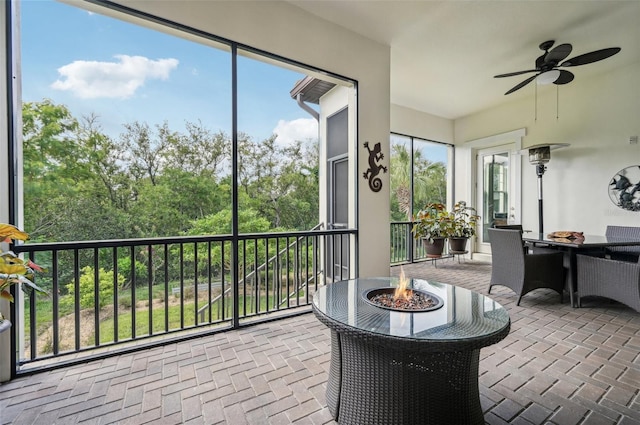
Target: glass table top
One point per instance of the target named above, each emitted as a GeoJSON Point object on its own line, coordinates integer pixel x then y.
{"type": "Point", "coordinates": [464, 315]}
{"type": "Point", "coordinates": [585, 241]}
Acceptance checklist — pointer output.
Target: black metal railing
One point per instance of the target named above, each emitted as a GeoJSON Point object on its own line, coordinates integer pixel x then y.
{"type": "Point", "coordinates": [106, 293]}
{"type": "Point", "coordinates": [405, 248]}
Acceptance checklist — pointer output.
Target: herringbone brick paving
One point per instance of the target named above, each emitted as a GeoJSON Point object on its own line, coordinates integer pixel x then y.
{"type": "Point", "coordinates": [559, 365]}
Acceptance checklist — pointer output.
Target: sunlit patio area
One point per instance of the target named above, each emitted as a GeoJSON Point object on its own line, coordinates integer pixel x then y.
{"type": "Point", "coordinates": [558, 365]}
{"type": "Point", "coordinates": [185, 176]}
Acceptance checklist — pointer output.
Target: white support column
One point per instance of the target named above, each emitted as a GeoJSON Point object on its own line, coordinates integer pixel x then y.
{"type": "Point", "coordinates": [5, 341]}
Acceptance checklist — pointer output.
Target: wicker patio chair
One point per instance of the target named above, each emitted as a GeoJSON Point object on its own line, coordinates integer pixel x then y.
{"type": "Point", "coordinates": [509, 227]}
{"type": "Point", "coordinates": [521, 272]}
{"type": "Point", "coordinates": [527, 247]}
{"type": "Point", "coordinates": [623, 253]}
{"type": "Point", "coordinates": [613, 279]}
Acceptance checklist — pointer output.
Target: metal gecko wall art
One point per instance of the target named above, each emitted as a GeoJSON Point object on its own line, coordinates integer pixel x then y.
{"type": "Point", "coordinates": [375, 155]}
{"type": "Point", "coordinates": [624, 188]}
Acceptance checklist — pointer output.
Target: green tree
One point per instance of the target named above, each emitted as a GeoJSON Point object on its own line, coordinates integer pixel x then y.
{"type": "Point", "coordinates": [87, 286]}
{"type": "Point", "coordinates": [49, 133]}
{"type": "Point", "coordinates": [74, 187]}
{"type": "Point", "coordinates": [281, 182]}
{"type": "Point", "coordinates": [52, 163]}
{"type": "Point", "coordinates": [151, 181]}
{"type": "Point", "coordinates": [429, 182]}
{"type": "Point", "coordinates": [250, 221]}
{"type": "Point", "coordinates": [145, 149]}
{"type": "Point", "coordinates": [400, 183]}
{"type": "Point", "coordinates": [106, 159]}
{"type": "Point", "coordinates": [200, 152]}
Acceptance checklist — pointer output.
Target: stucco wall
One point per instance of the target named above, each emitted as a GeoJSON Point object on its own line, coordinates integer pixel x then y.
{"type": "Point", "coordinates": [420, 124]}
{"type": "Point", "coordinates": [596, 116]}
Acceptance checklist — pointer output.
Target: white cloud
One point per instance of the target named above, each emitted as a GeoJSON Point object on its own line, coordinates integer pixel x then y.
{"type": "Point", "coordinates": [301, 129]}
{"type": "Point", "coordinates": [93, 79]}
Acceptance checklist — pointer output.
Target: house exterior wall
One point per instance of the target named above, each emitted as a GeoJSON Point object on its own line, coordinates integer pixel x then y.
{"type": "Point", "coordinates": [331, 103]}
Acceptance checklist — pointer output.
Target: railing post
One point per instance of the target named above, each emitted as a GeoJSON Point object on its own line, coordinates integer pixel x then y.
{"type": "Point", "coordinates": [410, 242]}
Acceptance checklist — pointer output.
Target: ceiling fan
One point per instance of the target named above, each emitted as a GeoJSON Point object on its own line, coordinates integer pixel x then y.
{"type": "Point", "coordinates": [548, 63]}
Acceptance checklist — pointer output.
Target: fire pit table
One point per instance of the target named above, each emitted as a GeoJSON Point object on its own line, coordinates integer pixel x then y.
{"type": "Point", "coordinates": [402, 367]}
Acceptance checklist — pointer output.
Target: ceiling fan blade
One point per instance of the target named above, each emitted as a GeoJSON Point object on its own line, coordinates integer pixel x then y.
{"type": "Point", "coordinates": [591, 57]}
{"type": "Point", "coordinates": [511, 74]}
{"type": "Point", "coordinates": [564, 78]}
{"type": "Point", "coordinates": [558, 53]}
{"type": "Point", "coordinates": [522, 84]}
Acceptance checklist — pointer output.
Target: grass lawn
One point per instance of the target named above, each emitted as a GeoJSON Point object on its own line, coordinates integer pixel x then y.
{"type": "Point", "coordinates": [176, 315]}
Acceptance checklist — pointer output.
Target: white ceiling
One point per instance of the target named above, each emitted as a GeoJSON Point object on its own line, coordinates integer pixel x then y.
{"type": "Point", "coordinates": [444, 54]}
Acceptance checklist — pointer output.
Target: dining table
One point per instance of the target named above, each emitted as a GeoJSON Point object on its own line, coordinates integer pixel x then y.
{"type": "Point", "coordinates": [588, 244]}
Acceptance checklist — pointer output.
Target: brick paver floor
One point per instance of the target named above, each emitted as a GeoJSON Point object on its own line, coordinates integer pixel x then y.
{"type": "Point", "coordinates": [559, 365]}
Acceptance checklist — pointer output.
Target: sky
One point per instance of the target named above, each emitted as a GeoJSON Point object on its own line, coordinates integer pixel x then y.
{"type": "Point", "coordinates": [120, 72]}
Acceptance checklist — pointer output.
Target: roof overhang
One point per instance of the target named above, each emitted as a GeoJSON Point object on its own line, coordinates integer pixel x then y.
{"type": "Point", "coordinates": [311, 89]}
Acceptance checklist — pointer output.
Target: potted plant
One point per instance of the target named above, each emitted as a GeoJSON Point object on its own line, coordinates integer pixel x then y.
{"type": "Point", "coordinates": [464, 223]}
{"type": "Point", "coordinates": [433, 224]}
{"type": "Point", "coordinates": [13, 269]}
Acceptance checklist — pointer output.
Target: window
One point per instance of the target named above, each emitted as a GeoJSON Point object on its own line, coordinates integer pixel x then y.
{"type": "Point", "coordinates": [277, 148]}
{"type": "Point", "coordinates": [126, 128]}
{"type": "Point", "coordinates": [419, 170]}
{"type": "Point", "coordinates": [182, 167]}
{"type": "Point", "coordinates": [128, 131]}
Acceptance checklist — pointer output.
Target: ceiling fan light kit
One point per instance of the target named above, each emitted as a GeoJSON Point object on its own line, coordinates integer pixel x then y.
{"type": "Point", "coordinates": [548, 77]}
{"type": "Point", "coordinates": [546, 65]}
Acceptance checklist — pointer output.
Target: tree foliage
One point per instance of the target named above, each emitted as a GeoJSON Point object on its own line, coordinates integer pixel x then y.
{"type": "Point", "coordinates": [87, 288]}
{"type": "Point", "coordinates": [427, 178]}
{"type": "Point", "coordinates": [153, 181]}
{"type": "Point", "coordinates": [280, 182]}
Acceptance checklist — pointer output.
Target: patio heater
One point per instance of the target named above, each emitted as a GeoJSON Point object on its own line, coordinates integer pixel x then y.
{"type": "Point", "coordinates": [539, 155]}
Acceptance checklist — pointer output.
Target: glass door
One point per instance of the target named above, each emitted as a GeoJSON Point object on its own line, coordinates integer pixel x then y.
{"type": "Point", "coordinates": [498, 184]}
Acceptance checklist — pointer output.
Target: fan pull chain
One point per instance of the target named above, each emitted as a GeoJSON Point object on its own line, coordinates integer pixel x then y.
{"type": "Point", "coordinates": [557, 101]}
{"type": "Point", "coordinates": [535, 113]}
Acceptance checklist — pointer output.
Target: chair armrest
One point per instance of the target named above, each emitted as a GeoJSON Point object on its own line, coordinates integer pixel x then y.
{"type": "Point", "coordinates": [604, 269]}
{"type": "Point", "coordinates": [623, 256]}
{"type": "Point", "coordinates": [617, 280]}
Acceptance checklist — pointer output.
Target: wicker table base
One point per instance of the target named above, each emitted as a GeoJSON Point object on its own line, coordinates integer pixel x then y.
{"type": "Point", "coordinates": [377, 378]}
{"type": "Point", "coordinates": [382, 386]}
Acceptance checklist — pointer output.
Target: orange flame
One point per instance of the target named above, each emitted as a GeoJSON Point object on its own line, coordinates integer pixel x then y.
{"type": "Point", "coordinates": [401, 291]}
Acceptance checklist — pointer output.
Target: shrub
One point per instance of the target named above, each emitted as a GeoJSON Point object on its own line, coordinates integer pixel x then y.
{"type": "Point", "coordinates": [87, 288]}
